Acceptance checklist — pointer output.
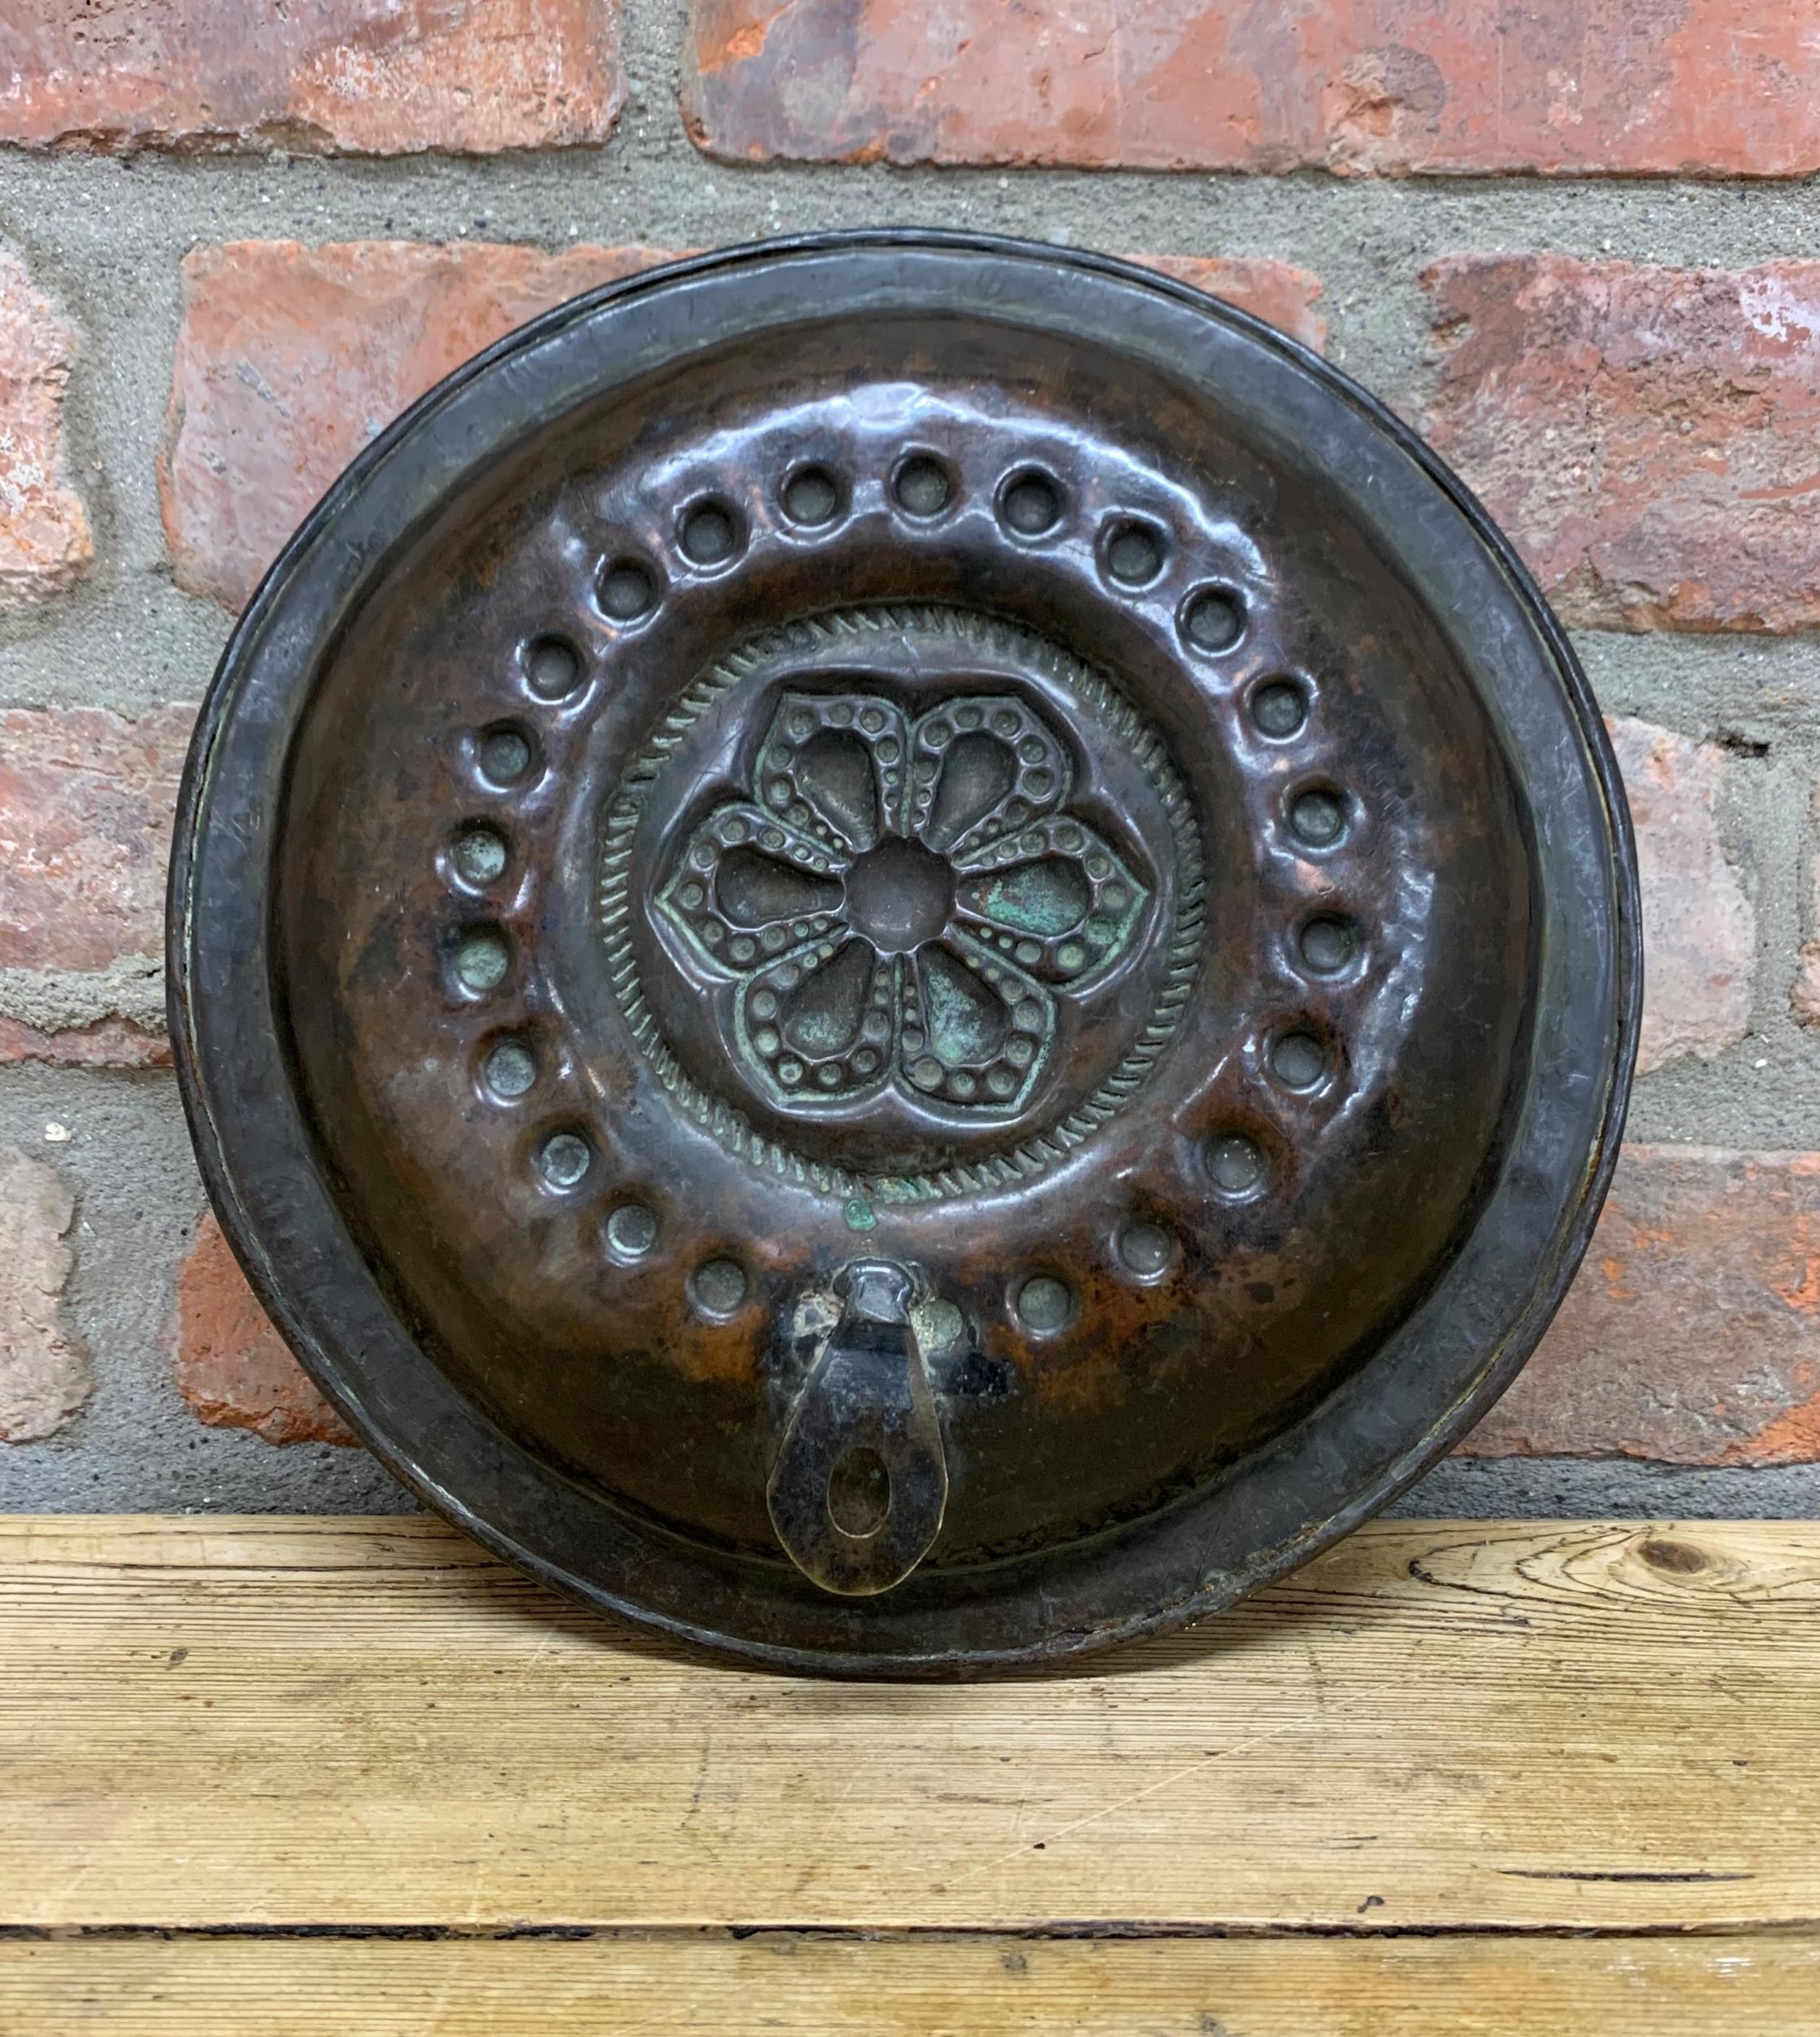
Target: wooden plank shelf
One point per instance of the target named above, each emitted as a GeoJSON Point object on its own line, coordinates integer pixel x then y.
{"type": "Point", "coordinates": [285, 1774]}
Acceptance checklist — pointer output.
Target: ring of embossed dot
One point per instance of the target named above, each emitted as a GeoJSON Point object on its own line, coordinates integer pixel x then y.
{"type": "Point", "coordinates": [903, 951]}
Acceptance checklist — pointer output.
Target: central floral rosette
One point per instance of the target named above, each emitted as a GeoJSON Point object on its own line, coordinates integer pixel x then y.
{"type": "Point", "coordinates": [902, 903]}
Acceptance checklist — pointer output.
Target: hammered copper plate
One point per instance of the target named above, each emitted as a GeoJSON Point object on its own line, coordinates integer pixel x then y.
{"type": "Point", "coordinates": [903, 951]}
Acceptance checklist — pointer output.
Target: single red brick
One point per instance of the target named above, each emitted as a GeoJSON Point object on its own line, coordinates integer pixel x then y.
{"type": "Point", "coordinates": [1645, 435]}
{"type": "Point", "coordinates": [334, 76]}
{"type": "Point", "coordinates": [86, 803]}
{"type": "Point", "coordinates": [1726, 86]}
{"type": "Point", "coordinates": [232, 1366]}
{"type": "Point", "coordinates": [1692, 1333]}
{"type": "Point", "coordinates": [44, 1368]}
{"type": "Point", "coordinates": [1277, 291]}
{"type": "Point", "coordinates": [291, 359]}
{"type": "Point", "coordinates": [108, 1043]}
{"type": "Point", "coordinates": [1700, 929]}
{"type": "Point", "coordinates": [44, 531]}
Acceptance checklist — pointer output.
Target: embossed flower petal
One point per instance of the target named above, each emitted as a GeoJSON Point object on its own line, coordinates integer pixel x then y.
{"type": "Point", "coordinates": [976, 1032]}
{"type": "Point", "coordinates": [819, 1021]}
{"type": "Point", "coordinates": [981, 767]}
{"type": "Point", "coordinates": [1054, 899]}
{"type": "Point", "coordinates": [835, 765]}
{"type": "Point", "coordinates": [748, 886]}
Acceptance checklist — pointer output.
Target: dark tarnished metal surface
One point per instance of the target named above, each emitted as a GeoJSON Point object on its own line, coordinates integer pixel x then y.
{"type": "Point", "coordinates": [903, 951]}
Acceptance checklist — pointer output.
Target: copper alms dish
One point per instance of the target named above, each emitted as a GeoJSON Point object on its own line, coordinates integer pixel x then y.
{"type": "Point", "coordinates": [903, 951]}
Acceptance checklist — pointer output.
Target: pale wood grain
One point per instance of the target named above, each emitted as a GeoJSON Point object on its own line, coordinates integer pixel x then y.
{"type": "Point", "coordinates": [1760, 1986]}
{"type": "Point", "coordinates": [1527, 1725]}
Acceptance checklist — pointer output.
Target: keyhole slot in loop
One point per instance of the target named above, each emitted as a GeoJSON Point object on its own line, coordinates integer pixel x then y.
{"type": "Point", "coordinates": [859, 1494]}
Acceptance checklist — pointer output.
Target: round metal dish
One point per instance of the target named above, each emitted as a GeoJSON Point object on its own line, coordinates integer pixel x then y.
{"type": "Point", "coordinates": [903, 951]}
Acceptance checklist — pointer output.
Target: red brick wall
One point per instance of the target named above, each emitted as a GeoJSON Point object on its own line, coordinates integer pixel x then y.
{"type": "Point", "coordinates": [1612, 329]}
